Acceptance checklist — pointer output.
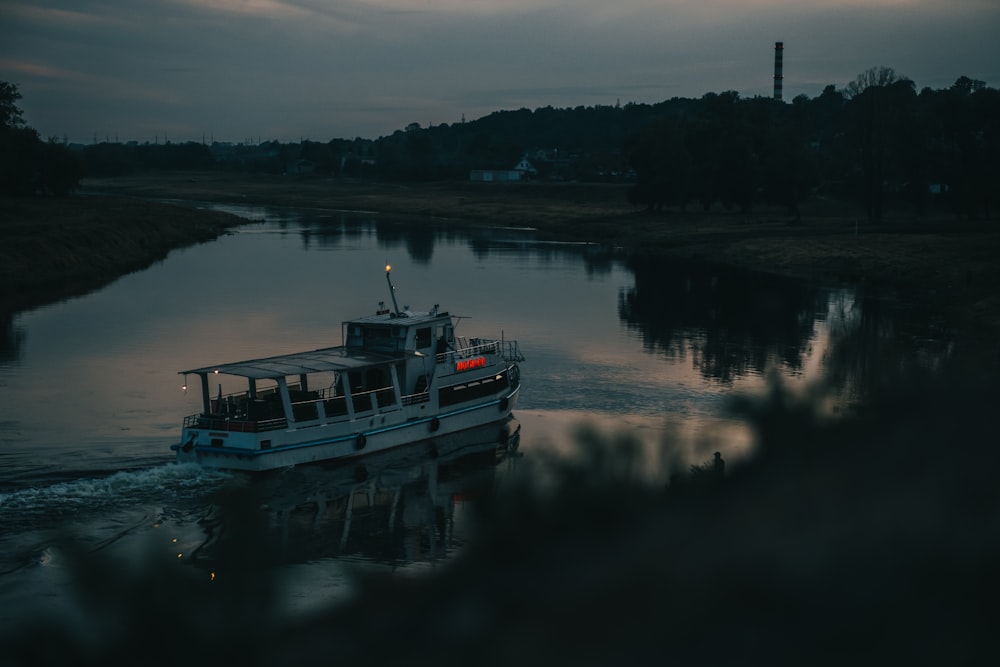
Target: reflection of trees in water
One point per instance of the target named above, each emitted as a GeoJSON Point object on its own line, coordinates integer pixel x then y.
{"type": "Point", "coordinates": [731, 323]}
{"type": "Point", "coordinates": [331, 230]}
{"type": "Point", "coordinates": [598, 260]}
{"type": "Point", "coordinates": [861, 334]}
{"type": "Point", "coordinates": [873, 340]}
{"type": "Point", "coordinates": [421, 237]}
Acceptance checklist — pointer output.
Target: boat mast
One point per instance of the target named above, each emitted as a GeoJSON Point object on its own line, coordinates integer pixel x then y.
{"type": "Point", "coordinates": [392, 290]}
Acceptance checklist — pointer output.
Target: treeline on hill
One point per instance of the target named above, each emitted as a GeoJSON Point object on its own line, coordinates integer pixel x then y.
{"type": "Point", "coordinates": [877, 140]}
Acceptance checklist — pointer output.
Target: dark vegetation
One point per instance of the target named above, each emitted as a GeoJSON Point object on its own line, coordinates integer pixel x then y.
{"type": "Point", "coordinates": [29, 165]}
{"type": "Point", "coordinates": [868, 538]}
{"type": "Point", "coordinates": [877, 142]}
{"type": "Point", "coordinates": [723, 177]}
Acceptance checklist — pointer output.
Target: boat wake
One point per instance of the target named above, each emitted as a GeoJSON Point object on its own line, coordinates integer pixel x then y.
{"type": "Point", "coordinates": [51, 506]}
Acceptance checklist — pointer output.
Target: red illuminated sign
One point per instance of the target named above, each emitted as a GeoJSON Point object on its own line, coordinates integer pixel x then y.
{"type": "Point", "coordinates": [469, 364]}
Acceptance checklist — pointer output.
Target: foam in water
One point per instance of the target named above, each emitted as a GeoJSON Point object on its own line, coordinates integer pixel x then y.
{"type": "Point", "coordinates": [118, 489]}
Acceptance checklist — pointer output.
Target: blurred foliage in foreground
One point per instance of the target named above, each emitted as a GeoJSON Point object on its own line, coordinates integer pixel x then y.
{"type": "Point", "coordinates": [871, 538]}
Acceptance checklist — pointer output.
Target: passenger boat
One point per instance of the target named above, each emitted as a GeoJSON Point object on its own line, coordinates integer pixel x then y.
{"type": "Point", "coordinates": [399, 377]}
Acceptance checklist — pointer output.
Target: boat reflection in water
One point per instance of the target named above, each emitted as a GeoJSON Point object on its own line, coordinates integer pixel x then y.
{"type": "Point", "coordinates": [397, 506]}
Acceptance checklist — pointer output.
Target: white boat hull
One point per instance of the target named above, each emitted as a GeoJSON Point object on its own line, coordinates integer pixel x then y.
{"type": "Point", "coordinates": [342, 440]}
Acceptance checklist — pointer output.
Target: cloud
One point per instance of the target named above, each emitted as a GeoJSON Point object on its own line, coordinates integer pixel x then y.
{"type": "Point", "coordinates": [291, 68]}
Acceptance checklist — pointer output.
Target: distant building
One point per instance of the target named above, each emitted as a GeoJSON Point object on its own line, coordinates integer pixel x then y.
{"type": "Point", "coordinates": [302, 166]}
{"type": "Point", "coordinates": [521, 171]}
{"type": "Point", "coordinates": [526, 169]}
{"type": "Point", "coordinates": [494, 175]}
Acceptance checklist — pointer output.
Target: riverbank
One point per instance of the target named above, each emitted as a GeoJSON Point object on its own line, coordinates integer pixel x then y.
{"type": "Point", "coordinates": [120, 225]}
{"type": "Point", "coordinates": [56, 248]}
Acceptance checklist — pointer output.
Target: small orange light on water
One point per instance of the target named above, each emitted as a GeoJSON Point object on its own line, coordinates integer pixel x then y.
{"type": "Point", "coordinates": [180, 555]}
{"type": "Point", "coordinates": [388, 268]}
{"type": "Point", "coordinates": [211, 576]}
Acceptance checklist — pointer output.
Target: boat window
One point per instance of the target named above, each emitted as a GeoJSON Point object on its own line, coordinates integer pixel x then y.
{"type": "Point", "coordinates": [375, 378]}
{"type": "Point", "coordinates": [423, 338]}
{"type": "Point", "coordinates": [475, 389]}
{"type": "Point", "coordinates": [378, 336]}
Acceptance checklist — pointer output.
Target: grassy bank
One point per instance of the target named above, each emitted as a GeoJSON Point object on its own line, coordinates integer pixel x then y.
{"type": "Point", "coordinates": [53, 248]}
{"type": "Point", "coordinates": [946, 266]}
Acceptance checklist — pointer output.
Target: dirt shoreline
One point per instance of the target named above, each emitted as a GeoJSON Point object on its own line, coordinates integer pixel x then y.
{"type": "Point", "coordinates": [114, 226]}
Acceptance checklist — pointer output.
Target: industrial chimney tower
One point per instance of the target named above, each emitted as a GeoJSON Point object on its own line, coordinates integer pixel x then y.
{"type": "Point", "coordinates": [779, 49]}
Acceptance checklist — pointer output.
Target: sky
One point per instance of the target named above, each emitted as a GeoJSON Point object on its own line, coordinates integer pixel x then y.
{"type": "Point", "coordinates": [286, 70]}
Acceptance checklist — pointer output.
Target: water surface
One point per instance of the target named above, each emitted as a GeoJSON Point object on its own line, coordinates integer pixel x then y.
{"type": "Point", "coordinates": [92, 400]}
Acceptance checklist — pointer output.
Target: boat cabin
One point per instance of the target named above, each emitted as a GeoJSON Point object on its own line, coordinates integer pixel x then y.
{"type": "Point", "coordinates": [424, 333]}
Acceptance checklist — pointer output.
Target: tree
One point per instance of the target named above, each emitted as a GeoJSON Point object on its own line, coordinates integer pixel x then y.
{"type": "Point", "coordinates": [873, 77]}
{"type": "Point", "coordinates": [27, 165]}
{"type": "Point", "coordinates": [878, 108]}
{"type": "Point", "coordinates": [20, 150]}
{"type": "Point", "coordinates": [60, 169]}
{"type": "Point", "coordinates": [10, 113]}
{"type": "Point", "coordinates": [660, 160]}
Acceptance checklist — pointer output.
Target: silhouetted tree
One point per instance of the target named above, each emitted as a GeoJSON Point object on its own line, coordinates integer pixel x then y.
{"type": "Point", "coordinates": [27, 165]}
{"type": "Point", "coordinates": [879, 102]}
{"type": "Point", "coordinates": [965, 138]}
{"type": "Point", "coordinates": [660, 158]}
{"type": "Point", "coordinates": [10, 113]}
{"type": "Point", "coordinates": [787, 164]}
{"type": "Point", "coordinates": [61, 169]}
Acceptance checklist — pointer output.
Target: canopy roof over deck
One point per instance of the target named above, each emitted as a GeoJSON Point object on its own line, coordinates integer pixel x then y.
{"type": "Point", "coordinates": [300, 363]}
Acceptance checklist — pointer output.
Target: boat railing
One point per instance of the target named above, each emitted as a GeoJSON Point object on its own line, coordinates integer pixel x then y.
{"type": "Point", "coordinates": [306, 410]}
{"type": "Point", "coordinates": [374, 399]}
{"type": "Point", "coordinates": [475, 347]}
{"type": "Point", "coordinates": [238, 424]}
{"type": "Point", "coordinates": [237, 412]}
{"type": "Point", "coordinates": [508, 350]}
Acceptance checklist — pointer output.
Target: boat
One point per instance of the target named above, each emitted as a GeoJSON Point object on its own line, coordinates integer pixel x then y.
{"type": "Point", "coordinates": [398, 377]}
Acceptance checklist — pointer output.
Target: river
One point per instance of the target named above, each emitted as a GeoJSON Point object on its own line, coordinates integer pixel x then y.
{"type": "Point", "coordinates": [92, 400]}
